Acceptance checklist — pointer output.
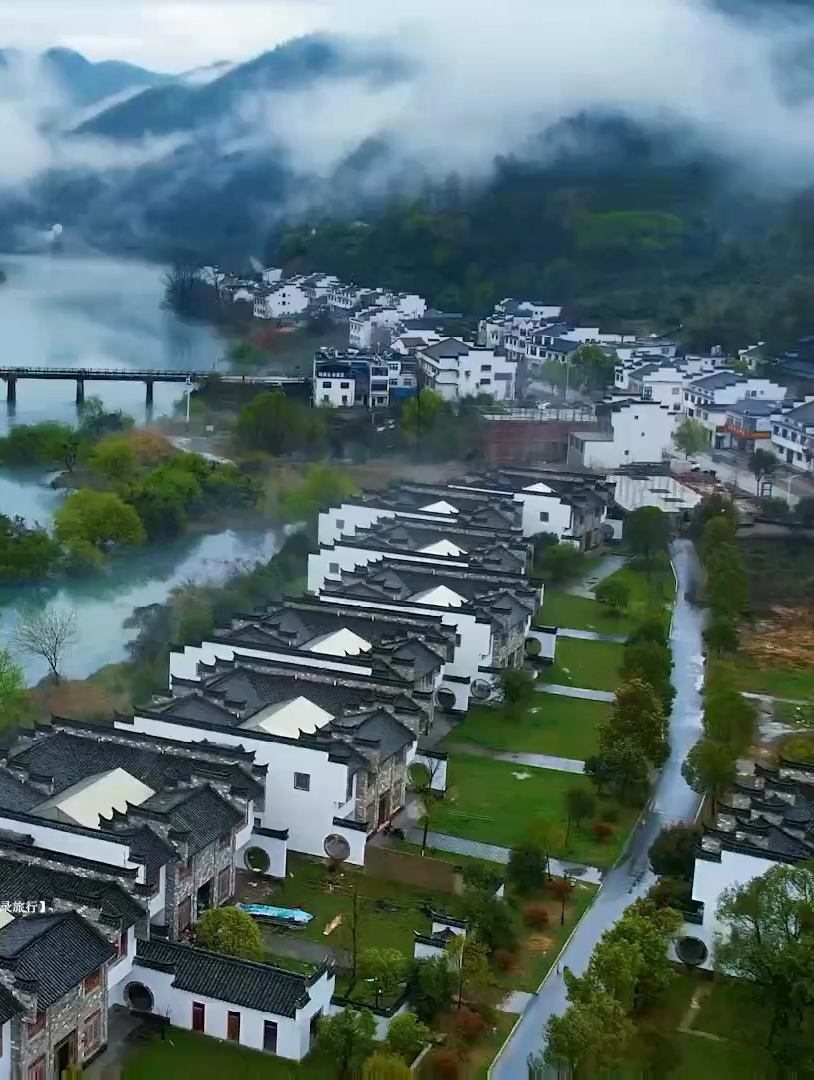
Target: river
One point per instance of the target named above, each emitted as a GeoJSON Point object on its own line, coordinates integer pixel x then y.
{"type": "Point", "coordinates": [97, 312]}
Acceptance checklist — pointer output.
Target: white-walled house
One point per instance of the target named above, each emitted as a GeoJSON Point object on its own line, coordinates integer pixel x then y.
{"type": "Point", "coordinates": [371, 330]}
{"type": "Point", "coordinates": [632, 430]}
{"type": "Point", "coordinates": [457, 370]}
{"type": "Point", "coordinates": [707, 398]}
{"type": "Point", "coordinates": [344, 298]}
{"type": "Point", "coordinates": [533, 308]}
{"type": "Point", "coordinates": [253, 1004]}
{"type": "Point", "coordinates": [792, 435]}
{"type": "Point", "coordinates": [284, 300]}
{"type": "Point", "coordinates": [271, 276]}
{"type": "Point", "coordinates": [660, 381]}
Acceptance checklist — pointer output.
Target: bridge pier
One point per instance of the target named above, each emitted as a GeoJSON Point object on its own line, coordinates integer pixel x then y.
{"type": "Point", "coordinates": [11, 390]}
{"type": "Point", "coordinates": [149, 384]}
{"type": "Point", "coordinates": [80, 391]}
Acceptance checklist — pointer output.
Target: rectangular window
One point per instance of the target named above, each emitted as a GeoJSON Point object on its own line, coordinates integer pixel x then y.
{"type": "Point", "coordinates": [349, 787]}
{"type": "Point", "coordinates": [122, 947]}
{"type": "Point", "coordinates": [37, 1070]}
{"type": "Point", "coordinates": [326, 386]}
{"type": "Point", "coordinates": [92, 982]}
{"type": "Point", "coordinates": [185, 913]}
{"type": "Point", "coordinates": [543, 515]}
{"type": "Point", "coordinates": [302, 781]}
{"type": "Point", "coordinates": [340, 523]}
{"type": "Point", "coordinates": [36, 1025]}
{"type": "Point", "coordinates": [224, 884]}
{"type": "Point", "coordinates": [333, 568]}
{"type": "Point", "coordinates": [344, 386]}
{"type": "Point", "coordinates": [458, 639]}
{"type": "Point", "coordinates": [92, 1033]}
{"type": "Point", "coordinates": [270, 1036]}
{"type": "Point", "coordinates": [198, 1016]}
{"type": "Point", "coordinates": [485, 367]}
{"type": "Point", "coordinates": [233, 1026]}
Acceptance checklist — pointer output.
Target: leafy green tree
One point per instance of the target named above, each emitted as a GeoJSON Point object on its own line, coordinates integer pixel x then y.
{"type": "Point", "coordinates": [672, 853]}
{"type": "Point", "coordinates": [422, 413]}
{"type": "Point", "coordinates": [383, 969]}
{"type": "Point", "coordinates": [637, 718]}
{"type": "Point", "coordinates": [647, 533]}
{"type": "Point", "coordinates": [99, 519]}
{"type": "Point", "coordinates": [229, 930]}
{"type": "Point", "coordinates": [424, 782]}
{"type": "Point", "coordinates": [592, 1035]}
{"type": "Point", "coordinates": [491, 920]}
{"type": "Point", "coordinates": [12, 690]}
{"type": "Point", "coordinates": [762, 463]}
{"type": "Point", "coordinates": [114, 457]}
{"type": "Point", "coordinates": [623, 768]}
{"type": "Point", "coordinates": [593, 366]}
{"type": "Point", "coordinates": [35, 444]}
{"type": "Point", "coordinates": [26, 554]}
{"type": "Point", "coordinates": [527, 868]}
{"type": "Point", "coordinates": [691, 437]}
{"type": "Point", "coordinates": [614, 593]}
{"type": "Point", "coordinates": [579, 805]}
{"type": "Point", "coordinates": [726, 581]}
{"type": "Point", "coordinates": [321, 487]}
{"type": "Point", "coordinates": [471, 956]}
{"type": "Point", "coordinates": [385, 1067]}
{"type": "Point", "coordinates": [721, 635]}
{"type": "Point", "coordinates": [718, 531]}
{"type": "Point", "coordinates": [517, 691]}
{"type": "Point", "coordinates": [407, 1036]}
{"type": "Point", "coordinates": [769, 942]}
{"type": "Point", "coordinates": [346, 1039]}
{"type": "Point", "coordinates": [651, 629]}
{"type": "Point", "coordinates": [431, 987]}
{"type": "Point", "coordinates": [279, 425]}
{"type": "Point", "coordinates": [709, 769]}
{"type": "Point", "coordinates": [653, 664]}
{"type": "Point", "coordinates": [556, 563]}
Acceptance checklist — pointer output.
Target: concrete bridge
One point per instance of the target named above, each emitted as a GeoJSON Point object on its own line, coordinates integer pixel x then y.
{"type": "Point", "coordinates": [148, 376]}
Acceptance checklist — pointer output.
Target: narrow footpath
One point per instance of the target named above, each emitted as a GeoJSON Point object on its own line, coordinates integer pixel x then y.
{"type": "Point", "coordinates": [672, 801]}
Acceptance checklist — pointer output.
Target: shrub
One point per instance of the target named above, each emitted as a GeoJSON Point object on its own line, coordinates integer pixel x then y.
{"type": "Point", "coordinates": [442, 1065]}
{"type": "Point", "coordinates": [603, 830]}
{"type": "Point", "coordinates": [407, 1036]}
{"type": "Point", "coordinates": [536, 916]}
{"type": "Point", "coordinates": [504, 959]}
{"type": "Point", "coordinates": [526, 867]}
{"type": "Point", "coordinates": [467, 1025]}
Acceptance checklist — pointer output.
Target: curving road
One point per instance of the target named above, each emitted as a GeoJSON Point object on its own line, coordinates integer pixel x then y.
{"type": "Point", "coordinates": [631, 877]}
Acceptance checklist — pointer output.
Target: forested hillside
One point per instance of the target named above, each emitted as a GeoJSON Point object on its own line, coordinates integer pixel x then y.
{"type": "Point", "coordinates": [642, 238]}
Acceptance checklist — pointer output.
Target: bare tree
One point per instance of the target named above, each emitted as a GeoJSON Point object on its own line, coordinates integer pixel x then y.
{"type": "Point", "coordinates": [48, 633]}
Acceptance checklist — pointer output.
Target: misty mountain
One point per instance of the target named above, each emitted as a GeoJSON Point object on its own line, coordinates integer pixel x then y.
{"type": "Point", "coordinates": [186, 105]}
{"type": "Point", "coordinates": [84, 82]}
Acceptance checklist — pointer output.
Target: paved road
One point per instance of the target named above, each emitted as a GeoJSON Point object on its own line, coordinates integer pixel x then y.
{"type": "Point", "coordinates": [608, 565]}
{"type": "Point", "coordinates": [672, 801]}
{"type": "Point", "coordinates": [520, 757]}
{"type": "Point", "coordinates": [574, 691]}
{"type": "Point", "coordinates": [590, 635]}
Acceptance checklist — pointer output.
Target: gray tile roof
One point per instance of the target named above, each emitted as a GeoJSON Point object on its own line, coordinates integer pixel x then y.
{"type": "Point", "coordinates": [225, 978]}
{"type": "Point", "coordinates": [54, 952]}
{"type": "Point", "coordinates": [447, 349]}
{"type": "Point", "coordinates": [802, 414]}
{"type": "Point", "coordinates": [752, 407]}
{"type": "Point", "coordinates": [23, 880]}
{"type": "Point", "coordinates": [9, 1005]}
{"type": "Point", "coordinates": [718, 381]}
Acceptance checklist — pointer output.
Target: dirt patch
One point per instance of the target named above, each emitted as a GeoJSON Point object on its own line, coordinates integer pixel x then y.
{"type": "Point", "coordinates": [538, 943]}
{"type": "Point", "coordinates": [784, 639]}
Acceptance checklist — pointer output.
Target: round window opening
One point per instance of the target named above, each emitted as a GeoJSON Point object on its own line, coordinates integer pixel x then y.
{"type": "Point", "coordinates": [481, 690]}
{"type": "Point", "coordinates": [139, 997]}
{"type": "Point", "coordinates": [256, 859]}
{"type": "Point", "coordinates": [446, 699]}
{"type": "Point", "coordinates": [691, 951]}
{"type": "Point", "coordinates": [532, 646]}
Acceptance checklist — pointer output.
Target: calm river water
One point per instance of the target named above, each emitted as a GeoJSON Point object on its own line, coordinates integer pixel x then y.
{"type": "Point", "coordinates": [99, 312]}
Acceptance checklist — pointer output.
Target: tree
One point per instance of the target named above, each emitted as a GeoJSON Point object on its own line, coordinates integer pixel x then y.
{"type": "Point", "coordinates": [422, 412]}
{"type": "Point", "coordinates": [712, 506]}
{"type": "Point", "coordinates": [12, 689]}
{"type": "Point", "coordinates": [562, 887]}
{"type": "Point", "coordinates": [614, 593]}
{"type": "Point", "coordinates": [762, 463]}
{"type": "Point", "coordinates": [592, 1035]}
{"type": "Point", "coordinates": [114, 457]}
{"type": "Point", "coordinates": [422, 780]}
{"type": "Point", "coordinates": [647, 533]}
{"type": "Point", "coordinates": [769, 922]}
{"type": "Point", "coordinates": [637, 717]}
{"type": "Point", "coordinates": [558, 562]}
{"type": "Point", "coordinates": [384, 969]}
{"type": "Point", "coordinates": [49, 634]}
{"type": "Point", "coordinates": [721, 635]}
{"type": "Point", "coordinates": [492, 920]}
{"type": "Point", "coordinates": [709, 768]}
{"type": "Point", "coordinates": [475, 978]}
{"type": "Point", "coordinates": [385, 1067]}
{"type": "Point", "coordinates": [346, 1039]}
{"type": "Point", "coordinates": [278, 424]}
{"type": "Point", "coordinates": [631, 960]}
{"type": "Point", "coordinates": [407, 1036]}
{"type": "Point", "coordinates": [650, 629]}
{"type": "Point", "coordinates": [729, 717]}
{"type": "Point", "coordinates": [672, 853]}
{"type": "Point", "coordinates": [593, 366]}
{"type": "Point", "coordinates": [431, 986]}
{"type": "Point", "coordinates": [691, 437]}
{"type": "Point", "coordinates": [651, 663]}
{"type": "Point", "coordinates": [517, 691]}
{"type": "Point", "coordinates": [229, 930]}
{"type": "Point", "coordinates": [526, 869]}
{"type": "Point", "coordinates": [579, 804]}
{"type": "Point", "coordinates": [97, 518]}
{"type": "Point", "coordinates": [726, 581]}
{"type": "Point", "coordinates": [321, 487]}
{"type": "Point", "coordinates": [624, 768]}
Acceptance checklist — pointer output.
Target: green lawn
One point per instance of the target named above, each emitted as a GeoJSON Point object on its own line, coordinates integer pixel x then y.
{"type": "Point", "coordinates": [553, 724]}
{"type": "Point", "coordinates": [493, 801]}
{"type": "Point", "coordinates": [580, 613]}
{"type": "Point", "coordinates": [645, 595]}
{"type": "Point", "coordinates": [541, 948]}
{"type": "Point", "coordinates": [389, 912]}
{"type": "Point", "coordinates": [186, 1055]}
{"type": "Point", "coordinates": [593, 665]}
{"type": "Point", "coordinates": [778, 682]}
